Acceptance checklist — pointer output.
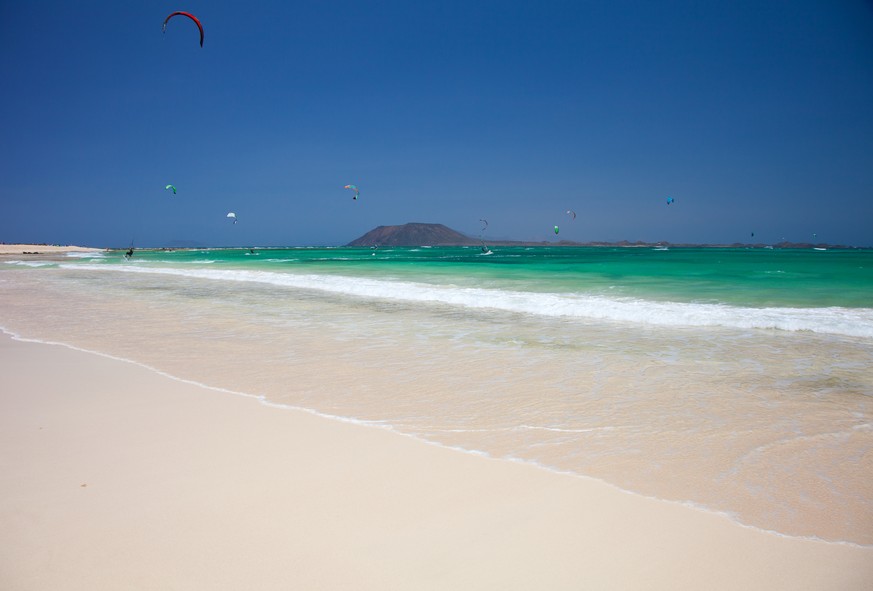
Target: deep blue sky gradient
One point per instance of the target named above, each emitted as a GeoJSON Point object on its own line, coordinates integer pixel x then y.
{"type": "Point", "coordinates": [756, 116]}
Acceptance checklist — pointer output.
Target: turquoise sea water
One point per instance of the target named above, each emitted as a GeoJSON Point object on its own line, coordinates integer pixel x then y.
{"type": "Point", "coordinates": [763, 288]}
{"type": "Point", "coordinates": [735, 380]}
{"type": "Point", "coordinates": [738, 277]}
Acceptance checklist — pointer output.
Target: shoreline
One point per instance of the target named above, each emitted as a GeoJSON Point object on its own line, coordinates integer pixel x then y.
{"type": "Point", "coordinates": [362, 423]}
{"type": "Point", "coordinates": [356, 506]}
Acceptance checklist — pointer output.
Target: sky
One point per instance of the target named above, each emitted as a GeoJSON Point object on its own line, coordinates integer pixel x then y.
{"type": "Point", "coordinates": [755, 116]}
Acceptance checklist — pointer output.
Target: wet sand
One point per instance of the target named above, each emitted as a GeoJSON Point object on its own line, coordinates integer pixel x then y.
{"type": "Point", "coordinates": [115, 476]}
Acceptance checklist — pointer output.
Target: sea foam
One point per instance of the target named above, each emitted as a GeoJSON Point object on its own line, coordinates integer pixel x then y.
{"type": "Point", "coordinates": [852, 322]}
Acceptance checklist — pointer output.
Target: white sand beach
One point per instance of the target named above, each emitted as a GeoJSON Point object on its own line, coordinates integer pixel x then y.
{"type": "Point", "coordinates": [115, 476]}
{"type": "Point", "coordinates": [8, 249]}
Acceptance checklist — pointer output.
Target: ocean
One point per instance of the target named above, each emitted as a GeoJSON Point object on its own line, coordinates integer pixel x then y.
{"type": "Point", "coordinates": [738, 381]}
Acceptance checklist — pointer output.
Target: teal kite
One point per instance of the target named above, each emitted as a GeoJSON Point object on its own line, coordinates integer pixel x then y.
{"type": "Point", "coordinates": [170, 187]}
{"type": "Point", "coordinates": [353, 188]}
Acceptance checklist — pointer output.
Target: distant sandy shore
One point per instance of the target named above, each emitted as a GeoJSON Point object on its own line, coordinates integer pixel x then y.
{"type": "Point", "coordinates": [43, 249]}
{"type": "Point", "coordinates": [116, 477]}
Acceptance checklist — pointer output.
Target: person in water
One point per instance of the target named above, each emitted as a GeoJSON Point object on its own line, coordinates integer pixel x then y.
{"type": "Point", "coordinates": [129, 253]}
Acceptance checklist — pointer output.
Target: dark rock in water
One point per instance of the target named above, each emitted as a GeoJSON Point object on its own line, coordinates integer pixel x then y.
{"type": "Point", "coordinates": [414, 235]}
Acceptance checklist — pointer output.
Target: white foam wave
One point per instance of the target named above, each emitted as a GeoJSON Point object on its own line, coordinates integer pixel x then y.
{"type": "Point", "coordinates": [31, 263]}
{"type": "Point", "coordinates": [853, 322]}
{"type": "Point", "coordinates": [86, 255]}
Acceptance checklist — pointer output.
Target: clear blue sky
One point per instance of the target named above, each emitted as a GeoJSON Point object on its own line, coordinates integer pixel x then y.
{"type": "Point", "coordinates": [756, 116]}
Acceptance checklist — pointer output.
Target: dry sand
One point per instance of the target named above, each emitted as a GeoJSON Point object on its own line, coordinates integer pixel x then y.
{"type": "Point", "coordinates": [116, 477]}
{"type": "Point", "coordinates": [7, 249]}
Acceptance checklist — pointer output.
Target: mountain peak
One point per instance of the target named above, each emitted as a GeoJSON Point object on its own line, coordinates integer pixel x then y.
{"type": "Point", "coordinates": [413, 234]}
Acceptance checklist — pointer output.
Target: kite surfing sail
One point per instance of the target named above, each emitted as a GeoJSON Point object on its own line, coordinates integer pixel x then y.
{"type": "Point", "coordinates": [670, 200]}
{"type": "Point", "coordinates": [168, 187]}
{"type": "Point", "coordinates": [353, 188]}
{"type": "Point", "coordinates": [571, 213]}
{"type": "Point", "coordinates": [485, 226]}
{"type": "Point", "coordinates": [557, 229]}
{"type": "Point", "coordinates": [232, 216]}
{"type": "Point", "coordinates": [189, 15]}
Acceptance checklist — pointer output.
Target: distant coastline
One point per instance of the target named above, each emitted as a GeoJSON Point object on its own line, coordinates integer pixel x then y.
{"type": "Point", "coordinates": [664, 244]}
{"type": "Point", "coordinates": [54, 249]}
{"type": "Point", "coordinates": [490, 243]}
{"type": "Point", "coordinates": [426, 234]}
